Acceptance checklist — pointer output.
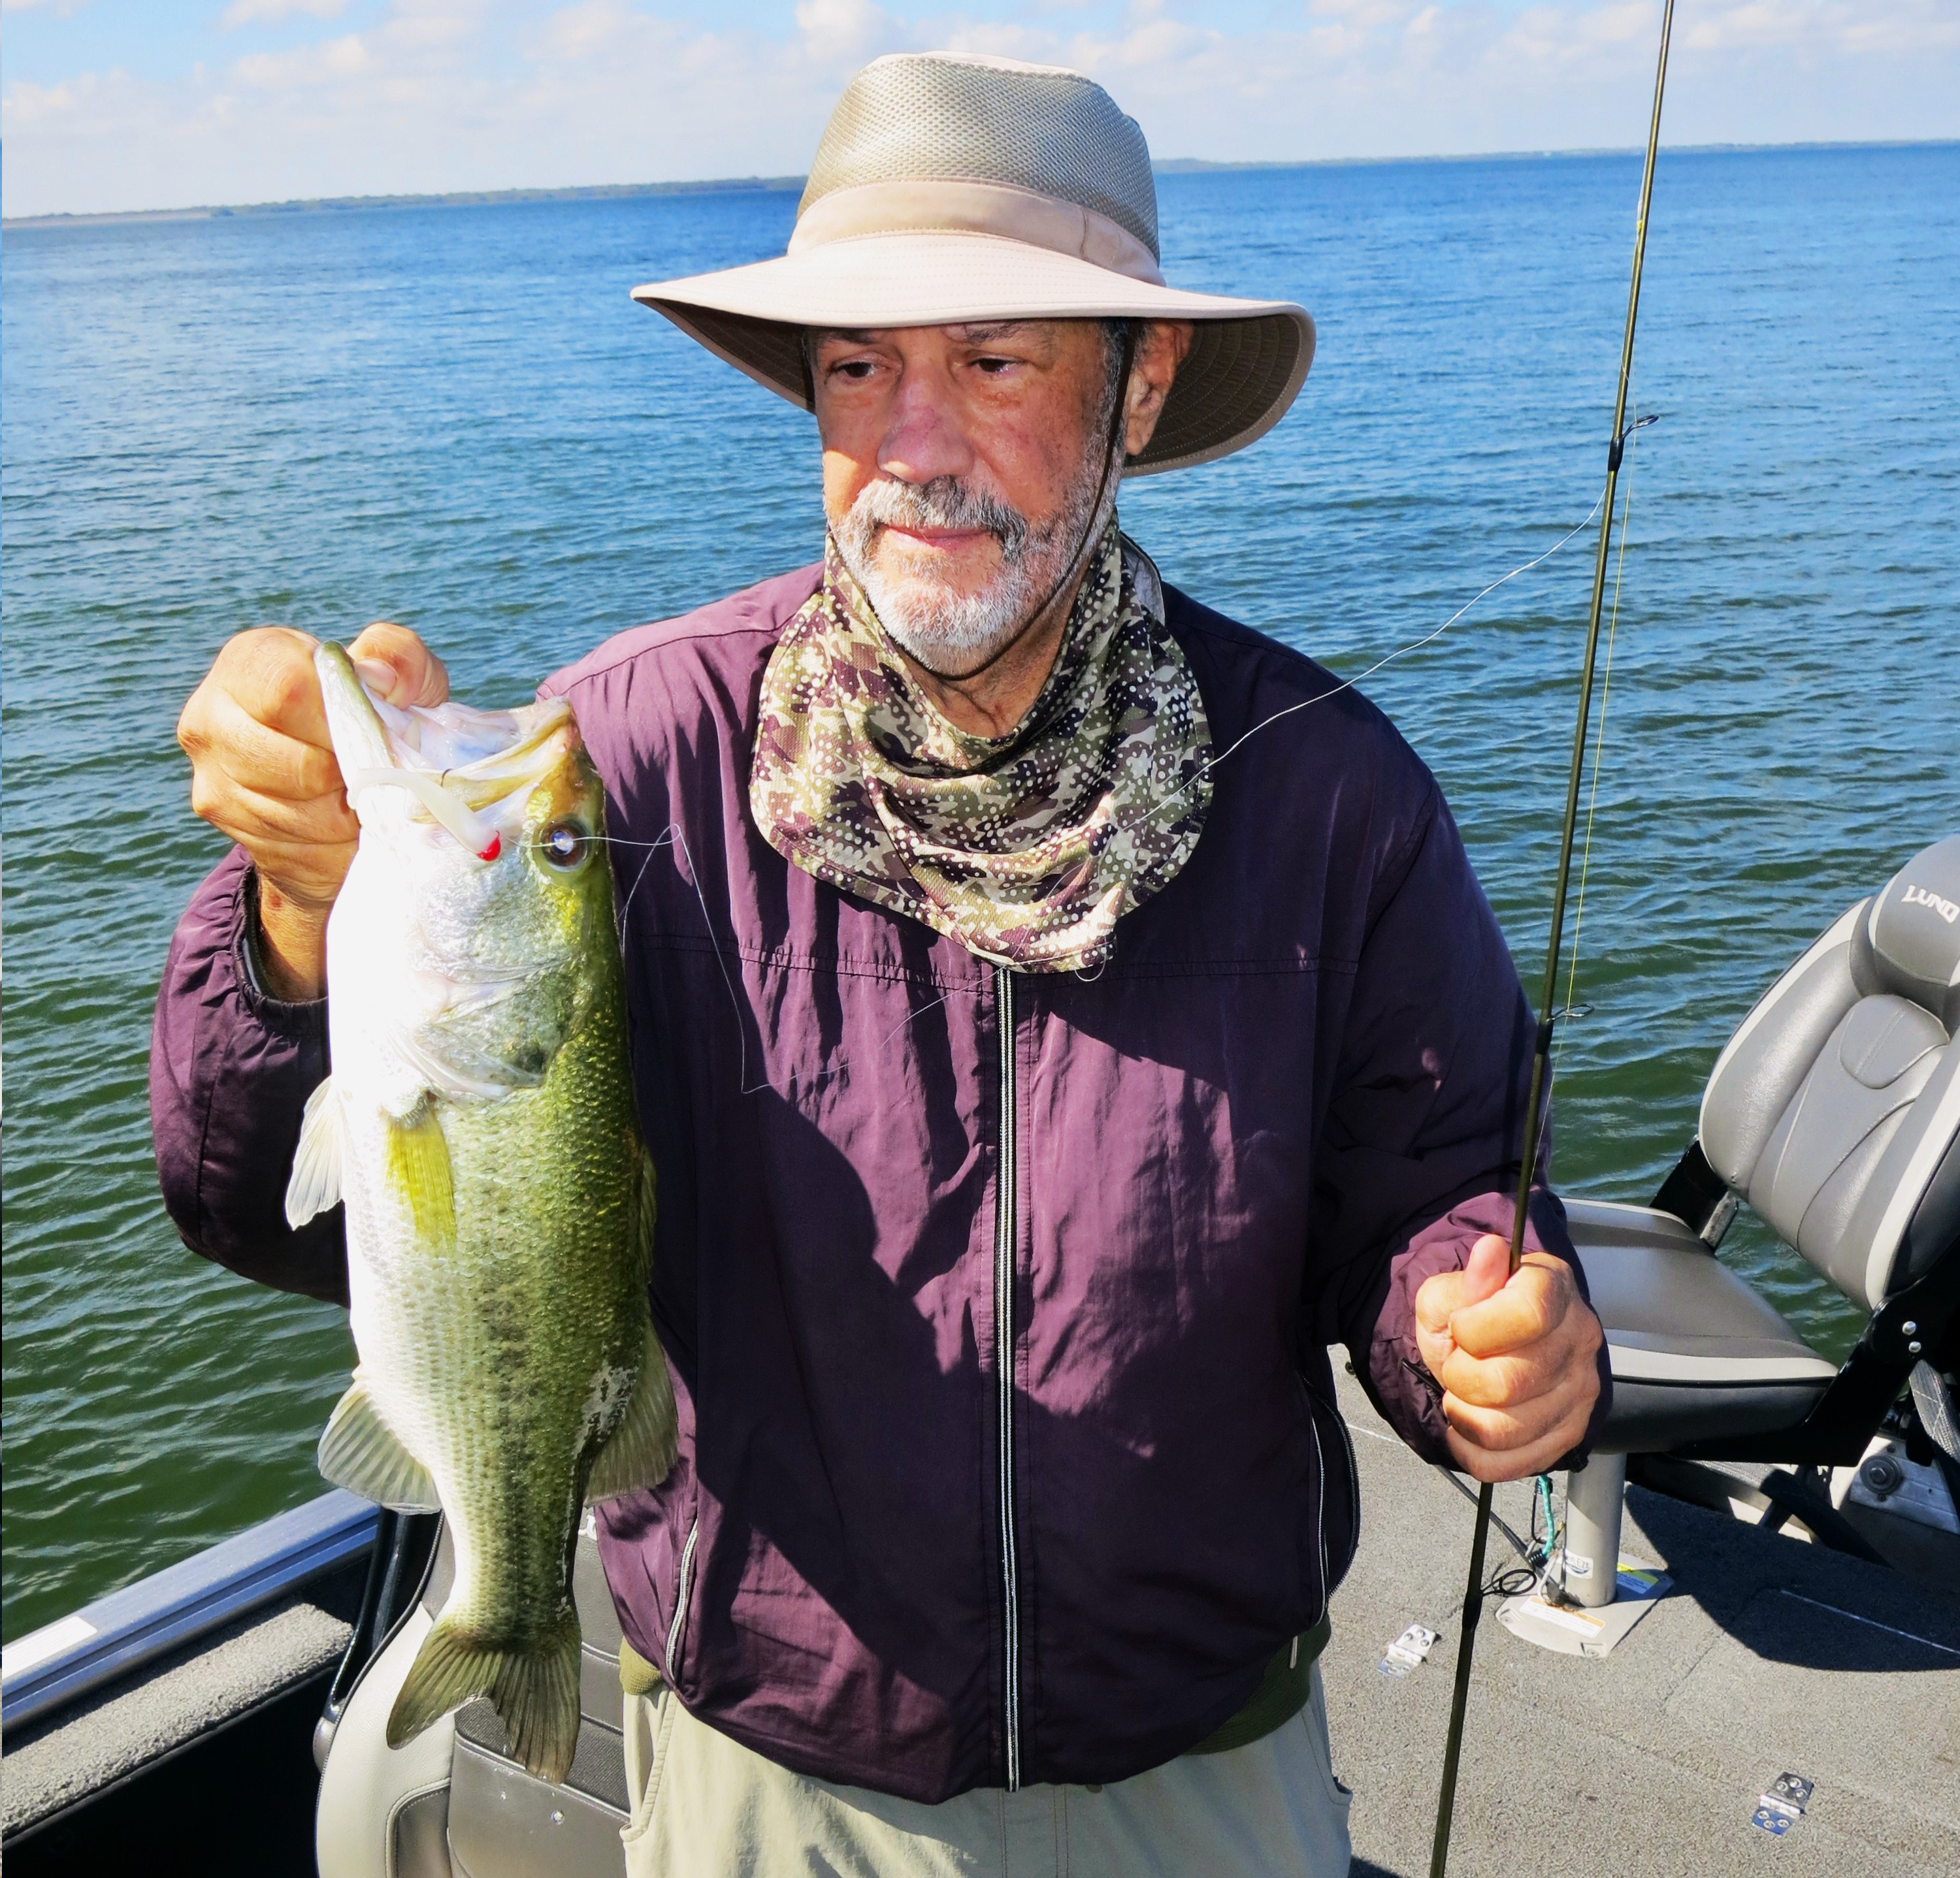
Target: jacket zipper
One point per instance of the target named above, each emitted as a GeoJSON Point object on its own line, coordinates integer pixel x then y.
{"type": "Point", "coordinates": [1005, 1237]}
{"type": "Point", "coordinates": [681, 1588]}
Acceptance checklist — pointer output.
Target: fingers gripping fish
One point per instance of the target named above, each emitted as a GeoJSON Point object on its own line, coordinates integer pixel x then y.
{"type": "Point", "coordinates": [478, 1123]}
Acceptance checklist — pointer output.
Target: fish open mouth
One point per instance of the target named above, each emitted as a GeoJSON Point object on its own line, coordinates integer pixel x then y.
{"type": "Point", "coordinates": [458, 762]}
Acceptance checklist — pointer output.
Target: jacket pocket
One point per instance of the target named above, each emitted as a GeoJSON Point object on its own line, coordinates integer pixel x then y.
{"type": "Point", "coordinates": [683, 1594]}
{"type": "Point", "coordinates": [1340, 1498]}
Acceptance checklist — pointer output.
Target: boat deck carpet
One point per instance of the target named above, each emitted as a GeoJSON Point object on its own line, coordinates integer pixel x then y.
{"type": "Point", "coordinates": [1769, 1654]}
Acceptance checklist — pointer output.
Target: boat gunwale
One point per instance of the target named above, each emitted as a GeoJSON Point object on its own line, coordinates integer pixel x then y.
{"type": "Point", "coordinates": [120, 1632]}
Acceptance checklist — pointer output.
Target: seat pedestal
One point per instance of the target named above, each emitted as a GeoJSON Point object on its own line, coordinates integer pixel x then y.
{"type": "Point", "coordinates": [1595, 1496]}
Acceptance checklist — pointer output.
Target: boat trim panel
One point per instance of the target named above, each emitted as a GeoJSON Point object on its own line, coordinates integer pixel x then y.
{"type": "Point", "coordinates": [119, 1633]}
{"type": "Point", "coordinates": [1632, 1364]}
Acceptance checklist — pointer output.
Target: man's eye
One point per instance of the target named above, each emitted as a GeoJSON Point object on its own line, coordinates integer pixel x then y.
{"type": "Point", "coordinates": [852, 368]}
{"type": "Point", "coordinates": [993, 367]}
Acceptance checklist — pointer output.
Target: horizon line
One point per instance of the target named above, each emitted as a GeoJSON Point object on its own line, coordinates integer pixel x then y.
{"type": "Point", "coordinates": [596, 192]}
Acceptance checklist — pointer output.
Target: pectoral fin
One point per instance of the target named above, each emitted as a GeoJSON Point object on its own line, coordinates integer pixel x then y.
{"type": "Point", "coordinates": [642, 1448]}
{"type": "Point", "coordinates": [360, 1452]}
{"type": "Point", "coordinates": [418, 1168]}
{"type": "Point", "coordinates": [315, 1185]}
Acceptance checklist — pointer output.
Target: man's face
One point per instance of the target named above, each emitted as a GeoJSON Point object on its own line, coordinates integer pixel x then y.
{"type": "Point", "coordinates": [961, 469]}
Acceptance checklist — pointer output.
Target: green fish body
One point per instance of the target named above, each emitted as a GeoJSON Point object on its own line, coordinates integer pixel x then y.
{"type": "Point", "coordinates": [479, 1126]}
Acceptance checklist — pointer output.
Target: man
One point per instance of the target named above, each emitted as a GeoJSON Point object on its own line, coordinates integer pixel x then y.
{"type": "Point", "coordinates": [1058, 1014]}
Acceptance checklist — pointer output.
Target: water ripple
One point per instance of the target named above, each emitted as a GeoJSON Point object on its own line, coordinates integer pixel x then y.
{"type": "Point", "coordinates": [457, 419]}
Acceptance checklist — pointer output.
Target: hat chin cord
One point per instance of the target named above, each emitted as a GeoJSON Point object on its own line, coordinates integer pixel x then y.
{"type": "Point", "coordinates": [1114, 454]}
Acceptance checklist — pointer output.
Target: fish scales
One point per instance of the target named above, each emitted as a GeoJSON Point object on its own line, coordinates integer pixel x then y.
{"type": "Point", "coordinates": [478, 1124]}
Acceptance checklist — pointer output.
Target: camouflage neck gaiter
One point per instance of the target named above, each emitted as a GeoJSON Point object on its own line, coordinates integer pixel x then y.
{"type": "Point", "coordinates": [1026, 849]}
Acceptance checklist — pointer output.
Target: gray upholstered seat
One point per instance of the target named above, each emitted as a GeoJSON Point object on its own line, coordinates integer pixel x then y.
{"type": "Point", "coordinates": [1695, 1351]}
{"type": "Point", "coordinates": [1835, 1111]}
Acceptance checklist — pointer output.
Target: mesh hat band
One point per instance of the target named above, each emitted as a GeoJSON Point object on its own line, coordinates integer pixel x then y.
{"type": "Point", "coordinates": [933, 116]}
{"type": "Point", "coordinates": [960, 205]}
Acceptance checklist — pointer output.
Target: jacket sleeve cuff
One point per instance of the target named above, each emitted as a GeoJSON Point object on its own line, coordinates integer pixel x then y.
{"type": "Point", "coordinates": [298, 1017]}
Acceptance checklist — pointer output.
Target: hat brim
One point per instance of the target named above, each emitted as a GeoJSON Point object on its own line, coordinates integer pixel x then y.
{"type": "Point", "coordinates": [1247, 360]}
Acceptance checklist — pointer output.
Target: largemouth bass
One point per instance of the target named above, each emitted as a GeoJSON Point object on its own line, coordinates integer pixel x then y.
{"type": "Point", "coordinates": [478, 1124]}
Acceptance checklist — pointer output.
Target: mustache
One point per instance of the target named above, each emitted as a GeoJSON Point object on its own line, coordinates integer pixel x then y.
{"type": "Point", "coordinates": [943, 503]}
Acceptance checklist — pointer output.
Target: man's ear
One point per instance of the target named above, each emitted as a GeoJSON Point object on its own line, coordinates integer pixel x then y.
{"type": "Point", "coordinates": [1161, 349]}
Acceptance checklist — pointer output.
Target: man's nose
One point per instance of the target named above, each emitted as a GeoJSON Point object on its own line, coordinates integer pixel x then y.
{"type": "Point", "coordinates": [923, 439]}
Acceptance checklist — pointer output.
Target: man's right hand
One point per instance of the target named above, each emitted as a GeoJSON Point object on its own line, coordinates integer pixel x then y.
{"type": "Point", "coordinates": [263, 772]}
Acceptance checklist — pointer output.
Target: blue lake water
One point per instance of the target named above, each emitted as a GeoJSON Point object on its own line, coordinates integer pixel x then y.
{"type": "Point", "coordinates": [456, 418]}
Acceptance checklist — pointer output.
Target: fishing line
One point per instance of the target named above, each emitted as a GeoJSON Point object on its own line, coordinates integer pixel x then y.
{"type": "Point", "coordinates": [674, 838]}
{"type": "Point", "coordinates": [1571, 1010]}
{"type": "Point", "coordinates": [1347, 684]}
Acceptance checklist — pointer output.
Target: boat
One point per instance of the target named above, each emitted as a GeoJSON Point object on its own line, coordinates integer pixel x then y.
{"type": "Point", "coordinates": [1747, 1622]}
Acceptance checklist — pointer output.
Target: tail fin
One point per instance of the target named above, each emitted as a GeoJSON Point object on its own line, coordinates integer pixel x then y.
{"type": "Point", "coordinates": [533, 1687]}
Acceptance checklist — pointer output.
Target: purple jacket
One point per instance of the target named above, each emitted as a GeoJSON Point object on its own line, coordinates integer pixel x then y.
{"type": "Point", "coordinates": [997, 1305]}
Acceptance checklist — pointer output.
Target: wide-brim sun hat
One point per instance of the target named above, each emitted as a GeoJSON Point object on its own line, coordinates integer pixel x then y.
{"type": "Point", "coordinates": [952, 188]}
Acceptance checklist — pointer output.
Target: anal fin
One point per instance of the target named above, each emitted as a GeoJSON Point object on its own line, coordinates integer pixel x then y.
{"type": "Point", "coordinates": [642, 1448]}
{"type": "Point", "coordinates": [315, 1185]}
{"type": "Point", "coordinates": [360, 1452]}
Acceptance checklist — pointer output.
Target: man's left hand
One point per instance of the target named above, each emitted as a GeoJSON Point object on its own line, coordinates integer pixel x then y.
{"type": "Point", "coordinates": [1516, 1356]}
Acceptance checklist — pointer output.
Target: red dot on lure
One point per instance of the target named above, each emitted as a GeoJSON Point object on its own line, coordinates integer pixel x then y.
{"type": "Point", "coordinates": [495, 847]}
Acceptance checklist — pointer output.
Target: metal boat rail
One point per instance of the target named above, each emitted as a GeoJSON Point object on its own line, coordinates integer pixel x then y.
{"type": "Point", "coordinates": [67, 1659]}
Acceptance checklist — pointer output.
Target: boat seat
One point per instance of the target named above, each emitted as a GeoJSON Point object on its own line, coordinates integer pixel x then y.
{"type": "Point", "coordinates": [1834, 1112]}
{"type": "Point", "coordinates": [1834, 1109]}
{"type": "Point", "coordinates": [1696, 1353]}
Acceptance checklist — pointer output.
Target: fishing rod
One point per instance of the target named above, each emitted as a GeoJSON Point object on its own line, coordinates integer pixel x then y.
{"type": "Point", "coordinates": [1473, 1596]}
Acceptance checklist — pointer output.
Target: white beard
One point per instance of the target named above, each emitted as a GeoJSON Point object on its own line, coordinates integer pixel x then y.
{"type": "Point", "coordinates": [953, 634]}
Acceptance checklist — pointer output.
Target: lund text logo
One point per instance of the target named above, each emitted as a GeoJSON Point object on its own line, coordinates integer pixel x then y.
{"type": "Point", "coordinates": [1919, 896]}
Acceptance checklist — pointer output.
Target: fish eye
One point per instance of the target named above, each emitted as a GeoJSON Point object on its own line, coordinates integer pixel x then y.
{"type": "Point", "coordinates": [564, 844]}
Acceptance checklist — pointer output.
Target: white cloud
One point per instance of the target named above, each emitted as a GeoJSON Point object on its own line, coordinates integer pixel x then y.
{"type": "Point", "coordinates": [443, 95]}
{"type": "Point", "coordinates": [328, 63]}
{"type": "Point", "coordinates": [853, 29]}
{"type": "Point", "coordinates": [251, 12]}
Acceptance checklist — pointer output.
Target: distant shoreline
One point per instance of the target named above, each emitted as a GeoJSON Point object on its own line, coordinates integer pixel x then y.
{"type": "Point", "coordinates": [603, 191]}
{"type": "Point", "coordinates": [454, 198]}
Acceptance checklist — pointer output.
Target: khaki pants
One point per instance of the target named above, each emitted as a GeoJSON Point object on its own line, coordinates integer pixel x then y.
{"type": "Point", "coordinates": [704, 1806]}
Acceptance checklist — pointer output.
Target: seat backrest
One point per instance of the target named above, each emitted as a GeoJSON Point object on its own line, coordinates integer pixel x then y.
{"type": "Point", "coordinates": [1834, 1109]}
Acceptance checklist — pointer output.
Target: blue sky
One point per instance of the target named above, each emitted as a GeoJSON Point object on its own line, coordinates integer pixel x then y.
{"type": "Point", "coordinates": [108, 104]}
